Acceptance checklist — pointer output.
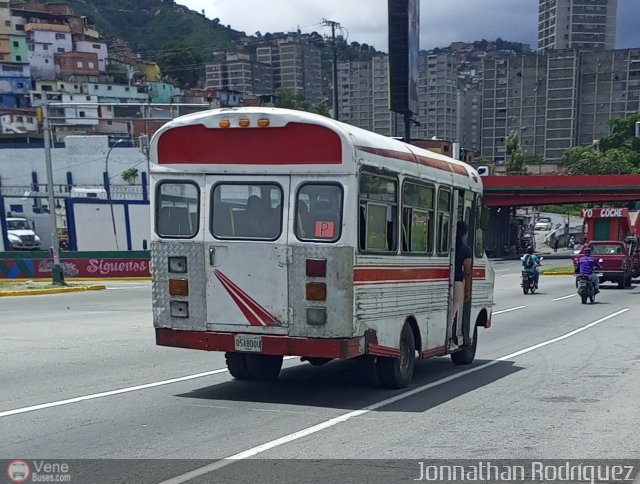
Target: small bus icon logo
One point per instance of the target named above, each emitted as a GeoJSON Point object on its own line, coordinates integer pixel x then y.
{"type": "Point", "coordinates": [18, 471]}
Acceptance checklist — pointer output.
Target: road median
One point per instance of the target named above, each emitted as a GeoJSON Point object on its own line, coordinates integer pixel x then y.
{"type": "Point", "coordinates": [12, 289]}
{"type": "Point", "coordinates": [559, 271]}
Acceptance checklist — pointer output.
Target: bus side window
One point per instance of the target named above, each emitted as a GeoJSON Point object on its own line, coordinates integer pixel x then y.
{"type": "Point", "coordinates": [378, 218]}
{"type": "Point", "coordinates": [417, 218]}
{"type": "Point", "coordinates": [444, 221]}
{"type": "Point", "coordinates": [362, 226]}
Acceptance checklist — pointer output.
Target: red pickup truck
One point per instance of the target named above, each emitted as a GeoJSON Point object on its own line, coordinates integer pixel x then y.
{"type": "Point", "coordinates": [618, 264]}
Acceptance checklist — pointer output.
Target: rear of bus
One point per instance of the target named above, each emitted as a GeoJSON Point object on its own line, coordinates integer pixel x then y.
{"type": "Point", "coordinates": [251, 255]}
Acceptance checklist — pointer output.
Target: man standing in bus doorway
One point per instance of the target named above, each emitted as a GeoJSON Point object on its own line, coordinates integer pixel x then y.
{"type": "Point", "coordinates": [463, 273]}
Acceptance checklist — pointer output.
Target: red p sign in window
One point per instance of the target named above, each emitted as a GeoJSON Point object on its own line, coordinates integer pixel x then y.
{"type": "Point", "coordinates": [325, 230]}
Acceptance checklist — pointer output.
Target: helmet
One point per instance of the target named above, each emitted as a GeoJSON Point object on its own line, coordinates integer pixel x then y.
{"type": "Point", "coordinates": [587, 251]}
{"type": "Point", "coordinates": [529, 250]}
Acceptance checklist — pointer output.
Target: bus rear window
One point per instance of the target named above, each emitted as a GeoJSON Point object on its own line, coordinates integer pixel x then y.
{"type": "Point", "coordinates": [177, 210]}
{"type": "Point", "coordinates": [247, 211]}
{"type": "Point", "coordinates": [319, 212]}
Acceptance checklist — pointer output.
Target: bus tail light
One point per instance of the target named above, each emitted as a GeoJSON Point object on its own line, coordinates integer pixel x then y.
{"type": "Point", "coordinates": [316, 291]}
{"type": "Point", "coordinates": [316, 267]}
{"type": "Point", "coordinates": [179, 309]}
{"type": "Point", "coordinates": [263, 123]}
{"type": "Point", "coordinates": [244, 123]}
{"type": "Point", "coordinates": [178, 265]}
{"type": "Point", "coordinates": [225, 123]}
{"type": "Point", "coordinates": [179, 287]}
{"type": "Point", "coordinates": [316, 316]}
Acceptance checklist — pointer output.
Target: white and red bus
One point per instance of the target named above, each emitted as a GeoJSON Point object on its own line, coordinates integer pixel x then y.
{"type": "Point", "coordinates": [281, 232]}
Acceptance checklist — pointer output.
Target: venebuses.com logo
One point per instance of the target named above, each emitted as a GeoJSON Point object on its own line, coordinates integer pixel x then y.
{"type": "Point", "coordinates": [18, 471]}
{"type": "Point", "coordinates": [38, 471]}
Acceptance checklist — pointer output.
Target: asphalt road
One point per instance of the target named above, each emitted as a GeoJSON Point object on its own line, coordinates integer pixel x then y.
{"type": "Point", "coordinates": [82, 379]}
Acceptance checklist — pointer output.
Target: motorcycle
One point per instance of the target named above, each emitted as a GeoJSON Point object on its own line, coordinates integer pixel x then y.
{"type": "Point", "coordinates": [529, 281]}
{"type": "Point", "coordinates": [586, 288]}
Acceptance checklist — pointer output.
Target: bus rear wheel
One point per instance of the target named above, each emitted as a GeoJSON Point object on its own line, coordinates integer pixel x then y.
{"type": "Point", "coordinates": [243, 366]}
{"type": "Point", "coordinates": [237, 365]}
{"type": "Point", "coordinates": [264, 367]}
{"type": "Point", "coordinates": [398, 372]}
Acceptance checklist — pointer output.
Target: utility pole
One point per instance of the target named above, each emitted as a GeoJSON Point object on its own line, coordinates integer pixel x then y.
{"type": "Point", "coordinates": [57, 274]}
{"type": "Point", "coordinates": [334, 26]}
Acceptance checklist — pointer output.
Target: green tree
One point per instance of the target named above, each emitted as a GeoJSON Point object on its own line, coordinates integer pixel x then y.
{"type": "Point", "coordinates": [181, 63]}
{"type": "Point", "coordinates": [517, 157]}
{"type": "Point", "coordinates": [587, 161]}
{"type": "Point", "coordinates": [130, 175]}
{"type": "Point", "coordinates": [288, 99]}
{"type": "Point", "coordinates": [622, 134]}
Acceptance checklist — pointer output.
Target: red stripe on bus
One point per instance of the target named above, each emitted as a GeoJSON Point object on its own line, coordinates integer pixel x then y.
{"type": "Point", "coordinates": [399, 274]}
{"type": "Point", "coordinates": [386, 351]}
{"type": "Point", "coordinates": [342, 348]}
{"type": "Point", "coordinates": [264, 316]}
{"type": "Point", "coordinates": [413, 158]}
{"type": "Point", "coordinates": [293, 144]}
{"type": "Point", "coordinates": [439, 351]}
{"type": "Point", "coordinates": [253, 320]}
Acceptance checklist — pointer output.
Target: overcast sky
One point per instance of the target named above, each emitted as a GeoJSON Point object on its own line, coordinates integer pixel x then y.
{"type": "Point", "coordinates": [365, 21]}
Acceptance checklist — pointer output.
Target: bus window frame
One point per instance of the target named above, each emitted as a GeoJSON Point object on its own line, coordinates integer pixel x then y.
{"type": "Point", "coordinates": [246, 183]}
{"type": "Point", "coordinates": [295, 212]}
{"type": "Point", "coordinates": [433, 211]}
{"type": "Point", "coordinates": [157, 201]}
{"type": "Point", "coordinates": [391, 176]}
{"type": "Point", "coordinates": [450, 191]}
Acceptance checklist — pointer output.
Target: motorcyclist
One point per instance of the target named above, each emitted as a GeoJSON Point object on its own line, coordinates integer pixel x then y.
{"type": "Point", "coordinates": [531, 265]}
{"type": "Point", "coordinates": [587, 266]}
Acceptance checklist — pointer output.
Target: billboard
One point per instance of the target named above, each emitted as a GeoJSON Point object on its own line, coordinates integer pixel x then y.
{"type": "Point", "coordinates": [404, 59]}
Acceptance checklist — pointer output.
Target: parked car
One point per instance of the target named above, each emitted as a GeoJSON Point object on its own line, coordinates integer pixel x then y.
{"type": "Point", "coordinates": [543, 225]}
{"type": "Point", "coordinates": [21, 234]}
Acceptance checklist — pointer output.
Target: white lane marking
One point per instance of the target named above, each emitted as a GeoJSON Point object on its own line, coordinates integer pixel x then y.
{"type": "Point", "coordinates": [564, 297]}
{"type": "Point", "coordinates": [384, 403]}
{"type": "Point", "coordinates": [501, 270]}
{"type": "Point", "coordinates": [508, 310]}
{"type": "Point", "coordinates": [110, 393]}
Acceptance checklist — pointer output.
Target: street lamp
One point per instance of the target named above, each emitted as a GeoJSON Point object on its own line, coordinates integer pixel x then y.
{"type": "Point", "coordinates": [57, 273]}
{"type": "Point", "coordinates": [108, 188]}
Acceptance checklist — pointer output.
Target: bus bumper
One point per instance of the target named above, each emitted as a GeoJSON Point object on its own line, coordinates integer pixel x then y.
{"type": "Point", "coordinates": [341, 348]}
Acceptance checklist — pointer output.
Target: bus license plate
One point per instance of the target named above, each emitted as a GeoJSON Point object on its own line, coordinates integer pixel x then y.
{"type": "Point", "coordinates": [248, 343]}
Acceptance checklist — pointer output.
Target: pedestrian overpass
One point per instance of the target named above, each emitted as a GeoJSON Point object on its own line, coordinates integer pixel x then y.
{"type": "Point", "coordinates": [504, 193]}
{"type": "Point", "coordinates": [525, 190]}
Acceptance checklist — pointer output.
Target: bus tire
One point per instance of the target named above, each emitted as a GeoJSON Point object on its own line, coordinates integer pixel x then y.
{"type": "Point", "coordinates": [398, 372]}
{"type": "Point", "coordinates": [264, 367]}
{"type": "Point", "coordinates": [237, 365]}
{"type": "Point", "coordinates": [467, 354]}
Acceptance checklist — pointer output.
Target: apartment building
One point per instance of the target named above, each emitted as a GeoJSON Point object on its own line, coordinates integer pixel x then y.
{"type": "Point", "coordinates": [577, 24]}
{"type": "Point", "coordinates": [239, 72]}
{"type": "Point", "coordinates": [609, 88]}
{"type": "Point", "coordinates": [364, 97]}
{"type": "Point", "coordinates": [437, 97]}
{"type": "Point", "coordinates": [297, 66]}
{"type": "Point", "coordinates": [557, 100]}
{"type": "Point", "coordinates": [469, 118]}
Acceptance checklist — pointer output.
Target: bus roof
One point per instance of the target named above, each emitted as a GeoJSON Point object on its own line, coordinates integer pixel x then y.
{"type": "Point", "coordinates": [282, 141]}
